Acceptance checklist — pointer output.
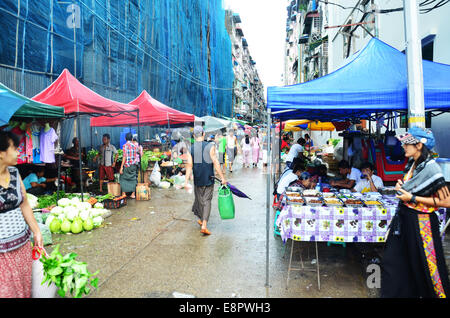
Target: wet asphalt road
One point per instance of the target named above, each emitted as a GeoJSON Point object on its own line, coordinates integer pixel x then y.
{"type": "Point", "coordinates": [155, 248]}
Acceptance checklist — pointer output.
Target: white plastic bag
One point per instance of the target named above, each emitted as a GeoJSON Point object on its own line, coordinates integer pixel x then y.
{"type": "Point", "coordinates": [39, 290]}
{"type": "Point", "coordinates": [155, 176]}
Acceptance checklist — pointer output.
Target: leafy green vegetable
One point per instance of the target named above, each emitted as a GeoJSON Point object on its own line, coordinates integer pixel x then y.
{"type": "Point", "coordinates": [45, 201]}
{"type": "Point", "coordinates": [105, 197]}
{"type": "Point", "coordinates": [120, 155]}
{"type": "Point", "coordinates": [69, 275]}
{"type": "Point", "coordinates": [92, 154]}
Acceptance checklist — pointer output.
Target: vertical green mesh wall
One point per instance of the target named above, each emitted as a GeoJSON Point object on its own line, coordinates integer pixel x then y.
{"type": "Point", "coordinates": [178, 50]}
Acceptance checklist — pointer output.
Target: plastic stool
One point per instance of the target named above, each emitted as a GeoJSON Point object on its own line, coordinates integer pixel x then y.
{"type": "Point", "coordinates": [275, 228]}
{"type": "Point", "coordinates": [337, 243]}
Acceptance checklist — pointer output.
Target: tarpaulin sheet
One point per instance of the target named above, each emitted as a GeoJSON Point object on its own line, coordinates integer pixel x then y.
{"type": "Point", "coordinates": [177, 50]}
{"type": "Point", "coordinates": [375, 80]}
{"type": "Point", "coordinates": [66, 91]}
{"type": "Point", "coordinates": [151, 113]}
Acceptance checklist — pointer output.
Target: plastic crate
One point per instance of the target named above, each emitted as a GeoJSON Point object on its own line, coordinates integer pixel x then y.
{"type": "Point", "coordinates": [115, 203]}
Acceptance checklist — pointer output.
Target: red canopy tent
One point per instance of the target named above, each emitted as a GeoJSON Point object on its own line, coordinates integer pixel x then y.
{"type": "Point", "coordinates": [66, 91]}
{"type": "Point", "coordinates": [151, 113]}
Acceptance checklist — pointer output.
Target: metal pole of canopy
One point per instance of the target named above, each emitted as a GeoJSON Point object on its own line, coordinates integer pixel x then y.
{"type": "Point", "coordinates": [59, 176]}
{"type": "Point", "coordinates": [279, 150]}
{"type": "Point", "coordinates": [79, 154]}
{"type": "Point", "coordinates": [269, 182]}
{"type": "Point", "coordinates": [416, 102]}
{"type": "Point", "coordinates": [139, 143]}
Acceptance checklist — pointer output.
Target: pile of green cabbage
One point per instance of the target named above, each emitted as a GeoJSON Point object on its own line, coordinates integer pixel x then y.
{"type": "Point", "coordinates": [75, 216]}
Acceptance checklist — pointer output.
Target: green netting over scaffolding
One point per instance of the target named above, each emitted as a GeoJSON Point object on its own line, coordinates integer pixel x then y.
{"type": "Point", "coordinates": [177, 50]}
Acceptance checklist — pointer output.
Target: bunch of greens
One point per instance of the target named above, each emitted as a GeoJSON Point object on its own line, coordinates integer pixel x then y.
{"type": "Point", "coordinates": [92, 154]}
{"type": "Point", "coordinates": [334, 141]}
{"type": "Point", "coordinates": [105, 197]}
{"type": "Point", "coordinates": [69, 275]}
{"type": "Point", "coordinates": [44, 201]}
{"type": "Point", "coordinates": [120, 155]}
{"type": "Point", "coordinates": [144, 161]}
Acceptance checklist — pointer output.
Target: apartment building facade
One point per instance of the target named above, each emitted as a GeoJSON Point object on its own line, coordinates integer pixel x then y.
{"type": "Point", "coordinates": [248, 90]}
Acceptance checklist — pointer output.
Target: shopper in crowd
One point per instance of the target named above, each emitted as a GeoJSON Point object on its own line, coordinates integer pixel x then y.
{"type": "Point", "coordinates": [232, 149]}
{"type": "Point", "coordinates": [16, 221]}
{"type": "Point", "coordinates": [108, 157]}
{"type": "Point", "coordinates": [246, 151]}
{"type": "Point", "coordinates": [129, 167]}
{"type": "Point", "coordinates": [36, 184]}
{"type": "Point", "coordinates": [413, 264]}
{"type": "Point", "coordinates": [351, 176]}
{"type": "Point", "coordinates": [256, 148]}
{"type": "Point", "coordinates": [221, 141]}
{"type": "Point", "coordinates": [264, 142]}
{"type": "Point", "coordinates": [295, 151]}
{"type": "Point", "coordinates": [369, 182]}
{"type": "Point", "coordinates": [202, 161]}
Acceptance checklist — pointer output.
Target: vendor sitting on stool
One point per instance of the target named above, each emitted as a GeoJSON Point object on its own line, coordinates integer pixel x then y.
{"type": "Point", "coordinates": [36, 184]}
{"type": "Point", "coordinates": [351, 176]}
{"type": "Point", "coordinates": [369, 182]}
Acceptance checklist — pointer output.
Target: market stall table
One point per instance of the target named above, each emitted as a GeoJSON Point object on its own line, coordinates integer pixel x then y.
{"type": "Point", "coordinates": [364, 224]}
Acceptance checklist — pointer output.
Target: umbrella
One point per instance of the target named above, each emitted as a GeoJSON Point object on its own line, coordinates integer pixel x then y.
{"type": "Point", "coordinates": [235, 190]}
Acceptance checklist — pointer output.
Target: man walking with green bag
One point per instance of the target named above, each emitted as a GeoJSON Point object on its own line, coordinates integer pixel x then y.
{"type": "Point", "coordinates": [202, 161]}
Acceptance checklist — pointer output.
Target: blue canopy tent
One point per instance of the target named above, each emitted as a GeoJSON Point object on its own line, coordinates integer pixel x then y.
{"type": "Point", "coordinates": [373, 81]}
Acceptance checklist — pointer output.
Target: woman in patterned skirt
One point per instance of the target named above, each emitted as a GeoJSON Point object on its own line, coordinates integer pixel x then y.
{"type": "Point", "coordinates": [413, 263]}
{"type": "Point", "coordinates": [16, 220]}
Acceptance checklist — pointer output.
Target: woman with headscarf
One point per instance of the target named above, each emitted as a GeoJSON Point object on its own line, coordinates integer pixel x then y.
{"type": "Point", "coordinates": [254, 142]}
{"type": "Point", "coordinates": [247, 151]}
{"type": "Point", "coordinates": [413, 264]}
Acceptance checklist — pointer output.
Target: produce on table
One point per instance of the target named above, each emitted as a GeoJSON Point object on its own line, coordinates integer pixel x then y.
{"type": "Point", "coordinates": [55, 225]}
{"type": "Point", "coordinates": [75, 216]}
{"type": "Point", "coordinates": [88, 224]}
{"type": "Point", "coordinates": [104, 197]}
{"type": "Point", "coordinates": [98, 206]}
{"type": "Point", "coordinates": [164, 185]}
{"type": "Point", "coordinates": [69, 275]}
{"type": "Point", "coordinates": [65, 226]}
{"type": "Point", "coordinates": [33, 200]}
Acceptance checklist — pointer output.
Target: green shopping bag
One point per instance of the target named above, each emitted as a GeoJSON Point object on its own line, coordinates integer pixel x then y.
{"type": "Point", "coordinates": [226, 203]}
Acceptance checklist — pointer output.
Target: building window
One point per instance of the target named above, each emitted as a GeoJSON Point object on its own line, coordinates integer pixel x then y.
{"type": "Point", "coordinates": [427, 51]}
